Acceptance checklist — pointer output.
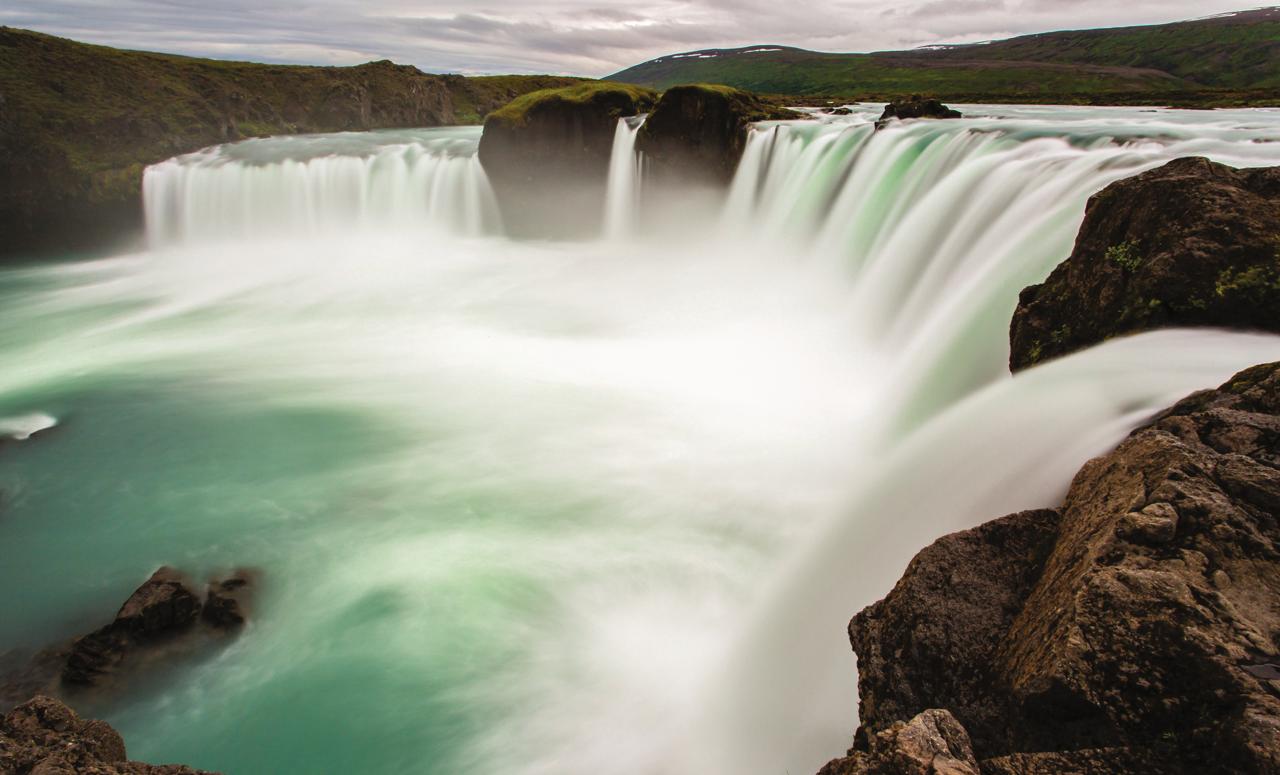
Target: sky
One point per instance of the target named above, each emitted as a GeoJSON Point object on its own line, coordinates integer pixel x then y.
{"type": "Point", "coordinates": [573, 37]}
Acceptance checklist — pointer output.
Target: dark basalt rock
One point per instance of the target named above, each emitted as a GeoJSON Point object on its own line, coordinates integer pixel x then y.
{"type": "Point", "coordinates": [914, 108]}
{"type": "Point", "coordinates": [45, 737]}
{"type": "Point", "coordinates": [227, 600]}
{"type": "Point", "coordinates": [1135, 633]}
{"type": "Point", "coordinates": [163, 607]}
{"type": "Point", "coordinates": [547, 154]}
{"type": "Point", "coordinates": [162, 619]}
{"type": "Point", "coordinates": [697, 133]}
{"type": "Point", "coordinates": [1193, 243]}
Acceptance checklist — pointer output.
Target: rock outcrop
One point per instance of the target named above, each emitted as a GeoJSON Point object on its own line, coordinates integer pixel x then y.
{"type": "Point", "coordinates": [914, 108]}
{"type": "Point", "coordinates": [932, 743]}
{"type": "Point", "coordinates": [163, 618]}
{"type": "Point", "coordinates": [697, 133]}
{"type": "Point", "coordinates": [547, 154]}
{"type": "Point", "coordinates": [1192, 243]}
{"type": "Point", "coordinates": [1135, 630]}
{"type": "Point", "coordinates": [44, 737]}
{"type": "Point", "coordinates": [78, 123]}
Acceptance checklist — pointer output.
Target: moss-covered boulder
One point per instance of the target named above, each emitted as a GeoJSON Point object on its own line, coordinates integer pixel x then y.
{"type": "Point", "coordinates": [79, 123]}
{"type": "Point", "coordinates": [915, 108]}
{"type": "Point", "coordinates": [1192, 243]}
{"type": "Point", "coordinates": [697, 133]}
{"type": "Point", "coordinates": [547, 154]}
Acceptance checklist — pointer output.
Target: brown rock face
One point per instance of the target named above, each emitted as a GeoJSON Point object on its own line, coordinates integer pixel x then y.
{"type": "Point", "coordinates": [697, 133]}
{"type": "Point", "coordinates": [227, 600]}
{"type": "Point", "coordinates": [929, 644]}
{"type": "Point", "coordinates": [932, 743]}
{"type": "Point", "coordinates": [45, 737]}
{"type": "Point", "coordinates": [1193, 243]}
{"type": "Point", "coordinates": [547, 155]}
{"type": "Point", "coordinates": [1135, 633]}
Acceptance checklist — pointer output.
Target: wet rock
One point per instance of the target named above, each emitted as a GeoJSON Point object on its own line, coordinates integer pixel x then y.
{"type": "Point", "coordinates": [226, 601]}
{"type": "Point", "coordinates": [697, 133]}
{"type": "Point", "coordinates": [915, 108]}
{"type": "Point", "coordinates": [931, 743]}
{"type": "Point", "coordinates": [547, 154]}
{"type": "Point", "coordinates": [1134, 633]}
{"type": "Point", "coordinates": [163, 607]}
{"type": "Point", "coordinates": [1192, 243]}
{"type": "Point", "coordinates": [45, 737]}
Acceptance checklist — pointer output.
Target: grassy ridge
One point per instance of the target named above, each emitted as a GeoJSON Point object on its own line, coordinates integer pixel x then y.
{"type": "Point", "coordinates": [1230, 59]}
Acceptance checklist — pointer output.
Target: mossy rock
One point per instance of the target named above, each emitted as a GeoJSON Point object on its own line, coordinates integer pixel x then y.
{"type": "Point", "coordinates": [697, 132]}
{"type": "Point", "coordinates": [1192, 243]}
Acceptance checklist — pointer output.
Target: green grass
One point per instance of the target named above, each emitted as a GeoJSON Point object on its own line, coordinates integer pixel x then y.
{"type": "Point", "coordinates": [1215, 61]}
{"type": "Point", "coordinates": [516, 112]}
{"type": "Point", "coordinates": [1125, 255]}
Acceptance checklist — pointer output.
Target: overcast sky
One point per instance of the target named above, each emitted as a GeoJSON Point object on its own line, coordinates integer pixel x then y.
{"type": "Point", "coordinates": [578, 37]}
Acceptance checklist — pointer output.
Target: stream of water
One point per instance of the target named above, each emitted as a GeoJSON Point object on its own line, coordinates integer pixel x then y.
{"type": "Point", "coordinates": [537, 507]}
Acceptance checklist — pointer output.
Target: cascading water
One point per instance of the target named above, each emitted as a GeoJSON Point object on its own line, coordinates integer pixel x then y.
{"type": "Point", "coordinates": [259, 188]}
{"type": "Point", "coordinates": [559, 508]}
{"type": "Point", "coordinates": [622, 199]}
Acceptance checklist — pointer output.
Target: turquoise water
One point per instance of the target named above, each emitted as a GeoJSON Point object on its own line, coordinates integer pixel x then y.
{"type": "Point", "coordinates": [556, 508]}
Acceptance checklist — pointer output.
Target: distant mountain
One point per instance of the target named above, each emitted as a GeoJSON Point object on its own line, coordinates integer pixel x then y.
{"type": "Point", "coordinates": [1229, 53]}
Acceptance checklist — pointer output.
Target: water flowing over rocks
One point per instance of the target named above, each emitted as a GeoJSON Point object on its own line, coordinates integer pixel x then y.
{"type": "Point", "coordinates": [697, 133]}
{"type": "Point", "coordinates": [1132, 631]}
{"type": "Point", "coordinates": [914, 108]}
{"type": "Point", "coordinates": [547, 155]}
{"type": "Point", "coordinates": [78, 123]}
{"type": "Point", "coordinates": [1192, 243]}
{"type": "Point", "coordinates": [44, 737]}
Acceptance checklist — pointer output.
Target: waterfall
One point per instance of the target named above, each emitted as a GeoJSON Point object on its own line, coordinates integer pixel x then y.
{"type": "Point", "coordinates": [314, 184]}
{"type": "Point", "coordinates": [559, 508]}
{"type": "Point", "coordinates": [622, 199]}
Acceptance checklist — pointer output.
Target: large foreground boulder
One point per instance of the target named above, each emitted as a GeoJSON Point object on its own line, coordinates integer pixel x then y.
{"type": "Point", "coordinates": [1132, 631]}
{"type": "Point", "coordinates": [697, 133]}
{"type": "Point", "coordinates": [45, 737]}
{"type": "Point", "coordinates": [1193, 243]}
{"type": "Point", "coordinates": [547, 154]}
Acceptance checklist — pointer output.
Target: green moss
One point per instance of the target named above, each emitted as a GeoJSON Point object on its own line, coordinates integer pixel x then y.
{"type": "Point", "coordinates": [1034, 352]}
{"type": "Point", "coordinates": [1125, 255]}
{"type": "Point", "coordinates": [516, 112]}
{"type": "Point", "coordinates": [1061, 334]}
{"type": "Point", "coordinates": [1255, 284]}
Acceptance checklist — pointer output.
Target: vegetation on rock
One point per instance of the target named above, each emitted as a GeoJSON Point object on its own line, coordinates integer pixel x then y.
{"type": "Point", "coordinates": [697, 132]}
{"type": "Point", "coordinates": [1192, 243]}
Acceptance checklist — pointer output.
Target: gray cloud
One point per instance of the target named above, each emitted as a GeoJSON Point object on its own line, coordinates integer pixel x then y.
{"type": "Point", "coordinates": [581, 37]}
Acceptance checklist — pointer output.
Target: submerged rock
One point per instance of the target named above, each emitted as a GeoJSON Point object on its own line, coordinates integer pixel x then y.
{"type": "Point", "coordinates": [163, 618]}
{"type": "Point", "coordinates": [916, 107]}
{"type": "Point", "coordinates": [1072, 642]}
{"type": "Point", "coordinates": [547, 154]}
{"type": "Point", "coordinates": [45, 737]}
{"type": "Point", "coordinates": [697, 133]}
{"type": "Point", "coordinates": [1192, 243]}
{"type": "Point", "coordinates": [163, 607]}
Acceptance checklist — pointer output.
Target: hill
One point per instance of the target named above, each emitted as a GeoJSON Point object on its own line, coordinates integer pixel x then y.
{"type": "Point", "coordinates": [79, 122]}
{"type": "Point", "coordinates": [1234, 58]}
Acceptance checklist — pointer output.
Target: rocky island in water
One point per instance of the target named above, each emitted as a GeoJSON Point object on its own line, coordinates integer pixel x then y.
{"type": "Point", "coordinates": [752, 410]}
